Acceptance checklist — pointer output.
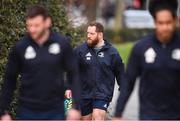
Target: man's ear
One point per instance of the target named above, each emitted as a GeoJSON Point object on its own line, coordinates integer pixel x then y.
{"type": "Point", "coordinates": [177, 20]}
{"type": "Point", "coordinates": [48, 22]}
{"type": "Point", "coordinates": [100, 35]}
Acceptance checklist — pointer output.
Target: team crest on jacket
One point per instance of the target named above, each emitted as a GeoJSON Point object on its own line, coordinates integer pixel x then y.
{"type": "Point", "coordinates": [54, 48]}
{"type": "Point", "coordinates": [101, 54]}
{"type": "Point", "coordinates": [176, 54]}
{"type": "Point", "coordinates": [88, 56]}
{"type": "Point", "coordinates": [30, 53]}
{"type": "Point", "coordinates": [150, 55]}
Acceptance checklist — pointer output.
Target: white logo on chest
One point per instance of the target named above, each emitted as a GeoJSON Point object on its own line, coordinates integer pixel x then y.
{"type": "Point", "coordinates": [176, 54]}
{"type": "Point", "coordinates": [54, 48]}
{"type": "Point", "coordinates": [150, 55]}
{"type": "Point", "coordinates": [30, 53]}
{"type": "Point", "coordinates": [88, 56]}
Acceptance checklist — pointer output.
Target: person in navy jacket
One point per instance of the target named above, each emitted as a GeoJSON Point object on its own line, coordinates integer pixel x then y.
{"type": "Point", "coordinates": [100, 64]}
{"type": "Point", "coordinates": [40, 59]}
{"type": "Point", "coordinates": [156, 60]}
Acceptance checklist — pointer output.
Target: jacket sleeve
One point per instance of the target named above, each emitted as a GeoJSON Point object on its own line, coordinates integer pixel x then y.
{"type": "Point", "coordinates": [68, 76]}
{"type": "Point", "coordinates": [128, 82]}
{"type": "Point", "coordinates": [10, 79]}
{"type": "Point", "coordinates": [73, 81]}
{"type": "Point", "coordinates": [118, 68]}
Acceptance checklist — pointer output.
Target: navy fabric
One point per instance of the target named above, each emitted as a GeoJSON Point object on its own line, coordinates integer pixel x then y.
{"type": "Point", "coordinates": [158, 66]}
{"type": "Point", "coordinates": [98, 71]}
{"type": "Point", "coordinates": [24, 113]}
{"type": "Point", "coordinates": [100, 104]}
{"type": "Point", "coordinates": [88, 105]}
{"type": "Point", "coordinates": [41, 69]}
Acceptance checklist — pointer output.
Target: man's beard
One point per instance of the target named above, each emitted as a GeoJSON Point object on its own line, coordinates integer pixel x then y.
{"type": "Point", "coordinates": [92, 43]}
{"type": "Point", "coordinates": [165, 38]}
{"type": "Point", "coordinates": [40, 35]}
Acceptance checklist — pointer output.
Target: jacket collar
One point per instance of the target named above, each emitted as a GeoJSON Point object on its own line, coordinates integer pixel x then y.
{"type": "Point", "coordinates": [106, 46]}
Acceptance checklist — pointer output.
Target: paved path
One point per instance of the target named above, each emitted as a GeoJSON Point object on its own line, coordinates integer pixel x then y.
{"type": "Point", "coordinates": [131, 111]}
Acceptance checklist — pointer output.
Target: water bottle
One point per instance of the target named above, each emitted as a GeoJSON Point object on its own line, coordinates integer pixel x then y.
{"type": "Point", "coordinates": [68, 103]}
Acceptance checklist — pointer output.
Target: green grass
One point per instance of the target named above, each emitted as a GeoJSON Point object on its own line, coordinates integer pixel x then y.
{"type": "Point", "coordinates": [124, 50]}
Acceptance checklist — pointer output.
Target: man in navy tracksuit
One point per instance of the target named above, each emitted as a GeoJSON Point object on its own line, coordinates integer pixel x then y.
{"type": "Point", "coordinates": [40, 60]}
{"type": "Point", "coordinates": [156, 60]}
{"type": "Point", "coordinates": [100, 64]}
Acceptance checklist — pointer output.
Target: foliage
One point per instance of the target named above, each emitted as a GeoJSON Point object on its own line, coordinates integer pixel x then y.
{"type": "Point", "coordinates": [124, 50]}
{"type": "Point", "coordinates": [126, 35]}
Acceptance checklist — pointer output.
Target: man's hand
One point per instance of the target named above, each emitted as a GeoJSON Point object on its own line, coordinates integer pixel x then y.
{"type": "Point", "coordinates": [6, 117]}
{"type": "Point", "coordinates": [117, 119]}
{"type": "Point", "coordinates": [73, 115]}
{"type": "Point", "coordinates": [68, 94]}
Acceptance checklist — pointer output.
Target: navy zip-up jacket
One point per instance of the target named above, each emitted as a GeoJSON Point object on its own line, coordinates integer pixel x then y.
{"type": "Point", "coordinates": [41, 69]}
{"type": "Point", "coordinates": [158, 66]}
{"type": "Point", "coordinates": [98, 71]}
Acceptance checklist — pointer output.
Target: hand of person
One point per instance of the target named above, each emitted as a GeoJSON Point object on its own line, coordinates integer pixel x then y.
{"type": "Point", "coordinates": [73, 115]}
{"type": "Point", "coordinates": [6, 117]}
{"type": "Point", "coordinates": [68, 94]}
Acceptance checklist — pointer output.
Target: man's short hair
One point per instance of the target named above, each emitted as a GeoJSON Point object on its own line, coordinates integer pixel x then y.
{"type": "Point", "coordinates": [37, 10]}
{"type": "Point", "coordinates": [158, 5]}
{"type": "Point", "coordinates": [99, 26]}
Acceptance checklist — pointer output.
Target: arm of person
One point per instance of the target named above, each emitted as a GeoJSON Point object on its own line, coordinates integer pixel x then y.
{"type": "Point", "coordinates": [68, 92]}
{"type": "Point", "coordinates": [118, 68]}
{"type": "Point", "coordinates": [128, 81]}
{"type": "Point", "coordinates": [71, 66]}
{"type": "Point", "coordinates": [9, 85]}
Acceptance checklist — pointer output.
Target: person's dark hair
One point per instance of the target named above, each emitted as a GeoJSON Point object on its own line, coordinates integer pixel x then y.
{"type": "Point", "coordinates": [158, 5]}
{"type": "Point", "coordinates": [37, 10]}
{"type": "Point", "coordinates": [99, 26]}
